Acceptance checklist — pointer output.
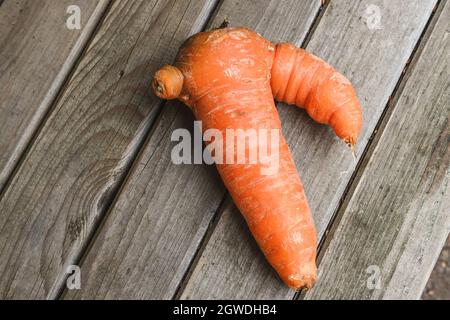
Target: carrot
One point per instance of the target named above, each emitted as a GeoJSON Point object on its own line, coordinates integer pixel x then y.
{"type": "Point", "coordinates": [229, 78]}
{"type": "Point", "coordinates": [299, 78]}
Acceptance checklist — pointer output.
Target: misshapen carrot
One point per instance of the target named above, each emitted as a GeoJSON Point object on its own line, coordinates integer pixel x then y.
{"type": "Point", "coordinates": [229, 77]}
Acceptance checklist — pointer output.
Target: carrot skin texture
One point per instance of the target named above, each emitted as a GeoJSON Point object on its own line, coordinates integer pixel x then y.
{"type": "Point", "coordinates": [229, 78]}
{"type": "Point", "coordinates": [300, 78]}
{"type": "Point", "coordinates": [227, 85]}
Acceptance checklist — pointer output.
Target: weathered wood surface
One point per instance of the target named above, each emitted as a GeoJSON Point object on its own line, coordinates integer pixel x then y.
{"type": "Point", "coordinates": [163, 211]}
{"type": "Point", "coordinates": [398, 218]}
{"type": "Point", "coordinates": [37, 52]}
{"type": "Point", "coordinates": [164, 214]}
{"type": "Point", "coordinates": [72, 170]}
{"type": "Point", "coordinates": [232, 266]}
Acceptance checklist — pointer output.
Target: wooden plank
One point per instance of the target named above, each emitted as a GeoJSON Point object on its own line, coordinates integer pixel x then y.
{"type": "Point", "coordinates": [155, 227]}
{"type": "Point", "coordinates": [397, 219]}
{"type": "Point", "coordinates": [37, 53]}
{"type": "Point", "coordinates": [66, 181]}
{"type": "Point", "coordinates": [373, 59]}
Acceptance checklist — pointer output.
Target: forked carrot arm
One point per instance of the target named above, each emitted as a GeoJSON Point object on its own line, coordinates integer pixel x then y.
{"type": "Point", "coordinates": [226, 77]}
{"type": "Point", "coordinates": [299, 78]}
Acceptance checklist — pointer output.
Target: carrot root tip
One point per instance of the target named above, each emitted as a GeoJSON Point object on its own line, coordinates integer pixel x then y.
{"type": "Point", "coordinates": [306, 283]}
{"type": "Point", "coordinates": [351, 143]}
{"type": "Point", "coordinates": [352, 147]}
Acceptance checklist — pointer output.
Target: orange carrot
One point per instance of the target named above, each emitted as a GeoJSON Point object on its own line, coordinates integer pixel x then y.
{"type": "Point", "coordinates": [299, 78]}
{"type": "Point", "coordinates": [229, 78]}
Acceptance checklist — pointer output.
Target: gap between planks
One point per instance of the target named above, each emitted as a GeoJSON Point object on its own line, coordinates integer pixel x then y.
{"type": "Point", "coordinates": [55, 91]}
{"type": "Point", "coordinates": [433, 41]}
{"type": "Point", "coordinates": [198, 18]}
{"type": "Point", "coordinates": [147, 132]}
{"type": "Point", "coordinates": [109, 200]}
{"type": "Point", "coordinates": [377, 133]}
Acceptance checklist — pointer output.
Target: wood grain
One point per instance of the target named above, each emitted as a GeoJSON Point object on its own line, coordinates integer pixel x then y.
{"type": "Point", "coordinates": [37, 53]}
{"type": "Point", "coordinates": [398, 218]}
{"type": "Point", "coordinates": [231, 266]}
{"type": "Point", "coordinates": [73, 169]}
{"type": "Point", "coordinates": [163, 211]}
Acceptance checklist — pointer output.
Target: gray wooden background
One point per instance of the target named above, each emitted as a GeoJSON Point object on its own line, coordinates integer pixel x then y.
{"type": "Point", "coordinates": [86, 177]}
